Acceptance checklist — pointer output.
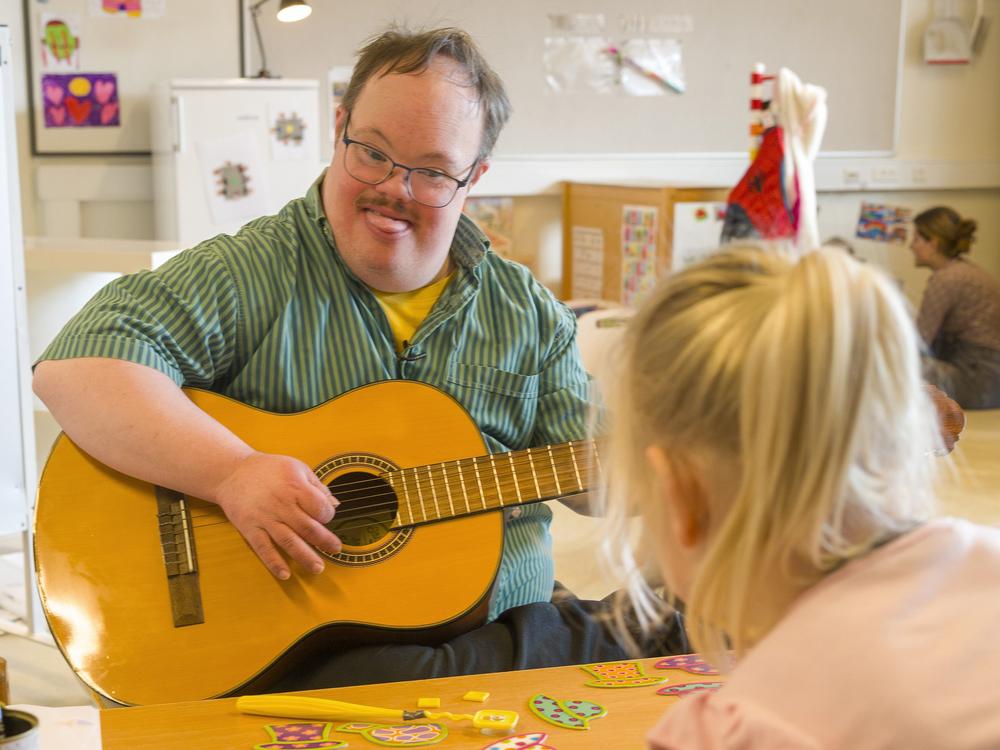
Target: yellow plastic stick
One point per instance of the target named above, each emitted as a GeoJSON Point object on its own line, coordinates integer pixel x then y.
{"type": "Point", "coordinates": [299, 707]}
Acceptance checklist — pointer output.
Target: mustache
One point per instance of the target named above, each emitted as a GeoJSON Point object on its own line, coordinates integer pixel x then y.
{"type": "Point", "coordinates": [366, 200]}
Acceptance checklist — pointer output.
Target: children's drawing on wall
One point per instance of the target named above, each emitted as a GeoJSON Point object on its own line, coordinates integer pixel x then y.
{"type": "Point", "coordinates": [639, 224]}
{"type": "Point", "coordinates": [574, 59]}
{"type": "Point", "coordinates": [648, 67]}
{"type": "Point", "coordinates": [232, 181]}
{"type": "Point", "coordinates": [289, 133]}
{"type": "Point", "coordinates": [146, 9]}
{"type": "Point", "coordinates": [495, 216]}
{"type": "Point", "coordinates": [697, 227]}
{"type": "Point", "coordinates": [87, 100]}
{"type": "Point", "coordinates": [883, 223]}
{"type": "Point", "coordinates": [582, 56]}
{"type": "Point", "coordinates": [60, 41]}
{"type": "Point", "coordinates": [231, 168]}
{"type": "Point", "coordinates": [587, 263]}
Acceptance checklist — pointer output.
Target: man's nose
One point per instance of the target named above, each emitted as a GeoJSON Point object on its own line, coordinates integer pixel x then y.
{"type": "Point", "coordinates": [397, 184]}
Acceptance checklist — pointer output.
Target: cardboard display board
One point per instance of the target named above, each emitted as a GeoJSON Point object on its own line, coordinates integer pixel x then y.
{"type": "Point", "coordinates": [618, 240]}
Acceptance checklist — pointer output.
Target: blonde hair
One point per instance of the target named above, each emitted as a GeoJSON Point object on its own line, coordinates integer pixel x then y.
{"type": "Point", "coordinates": [801, 380]}
{"type": "Point", "coordinates": [954, 234]}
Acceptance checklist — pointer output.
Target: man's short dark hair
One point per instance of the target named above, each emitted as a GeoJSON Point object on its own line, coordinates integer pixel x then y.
{"type": "Point", "coordinates": [401, 51]}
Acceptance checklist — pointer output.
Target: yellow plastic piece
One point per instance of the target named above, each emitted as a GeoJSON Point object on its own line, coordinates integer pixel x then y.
{"type": "Point", "coordinates": [298, 707]}
{"type": "Point", "coordinates": [476, 695]}
{"type": "Point", "coordinates": [428, 703]}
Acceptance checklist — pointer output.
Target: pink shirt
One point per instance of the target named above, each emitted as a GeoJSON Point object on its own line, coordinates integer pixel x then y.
{"type": "Point", "coordinates": [898, 649]}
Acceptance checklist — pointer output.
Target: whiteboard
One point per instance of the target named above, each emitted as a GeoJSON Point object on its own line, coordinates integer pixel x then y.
{"type": "Point", "coordinates": [175, 39]}
{"type": "Point", "coordinates": [851, 47]}
{"type": "Point", "coordinates": [15, 434]}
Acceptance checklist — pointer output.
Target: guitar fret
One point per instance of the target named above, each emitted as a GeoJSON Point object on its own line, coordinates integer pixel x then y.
{"type": "Point", "coordinates": [420, 494]}
{"type": "Point", "coordinates": [447, 489]}
{"type": "Point", "coordinates": [534, 476]}
{"type": "Point", "coordinates": [555, 474]}
{"type": "Point", "coordinates": [496, 478]}
{"type": "Point", "coordinates": [513, 474]}
{"type": "Point", "coordinates": [465, 492]}
{"type": "Point", "coordinates": [434, 495]}
{"type": "Point", "coordinates": [576, 469]}
{"type": "Point", "coordinates": [406, 495]}
{"type": "Point", "coordinates": [479, 483]}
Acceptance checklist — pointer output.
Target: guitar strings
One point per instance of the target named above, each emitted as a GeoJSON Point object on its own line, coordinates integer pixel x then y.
{"type": "Point", "coordinates": [520, 457]}
{"type": "Point", "coordinates": [427, 508]}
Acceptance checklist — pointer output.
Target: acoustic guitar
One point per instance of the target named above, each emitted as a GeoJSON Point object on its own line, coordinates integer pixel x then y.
{"type": "Point", "coordinates": [154, 597]}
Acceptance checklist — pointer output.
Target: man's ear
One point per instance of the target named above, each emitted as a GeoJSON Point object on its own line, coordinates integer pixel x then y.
{"type": "Point", "coordinates": [480, 170]}
{"type": "Point", "coordinates": [683, 494]}
{"type": "Point", "coordinates": [338, 121]}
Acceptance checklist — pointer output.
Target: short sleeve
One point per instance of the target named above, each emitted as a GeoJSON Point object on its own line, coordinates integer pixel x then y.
{"type": "Point", "coordinates": [177, 319]}
{"type": "Point", "coordinates": [710, 721]}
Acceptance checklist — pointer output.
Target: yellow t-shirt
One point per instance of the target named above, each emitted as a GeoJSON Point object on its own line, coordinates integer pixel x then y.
{"type": "Point", "coordinates": [407, 310]}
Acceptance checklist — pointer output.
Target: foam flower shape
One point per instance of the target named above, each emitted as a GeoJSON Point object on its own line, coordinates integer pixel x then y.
{"type": "Point", "coordinates": [398, 735]}
{"type": "Point", "coordinates": [300, 736]}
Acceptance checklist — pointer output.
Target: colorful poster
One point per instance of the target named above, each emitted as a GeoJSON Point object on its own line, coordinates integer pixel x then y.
{"type": "Point", "coordinates": [147, 9]}
{"type": "Point", "coordinates": [697, 228]}
{"type": "Point", "coordinates": [236, 187]}
{"type": "Point", "coordinates": [587, 256]}
{"type": "Point", "coordinates": [80, 100]}
{"type": "Point", "coordinates": [288, 131]}
{"type": "Point", "coordinates": [883, 223]}
{"type": "Point", "coordinates": [639, 225]}
{"type": "Point", "coordinates": [495, 216]}
{"type": "Point", "coordinates": [60, 41]}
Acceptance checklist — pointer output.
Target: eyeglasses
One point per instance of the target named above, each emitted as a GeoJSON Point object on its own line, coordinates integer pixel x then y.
{"type": "Point", "coordinates": [426, 186]}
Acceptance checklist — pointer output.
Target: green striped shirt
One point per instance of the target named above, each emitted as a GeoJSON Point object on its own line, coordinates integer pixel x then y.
{"type": "Point", "coordinates": [266, 317]}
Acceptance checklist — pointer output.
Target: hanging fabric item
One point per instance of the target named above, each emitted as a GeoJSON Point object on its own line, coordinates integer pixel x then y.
{"type": "Point", "coordinates": [776, 198]}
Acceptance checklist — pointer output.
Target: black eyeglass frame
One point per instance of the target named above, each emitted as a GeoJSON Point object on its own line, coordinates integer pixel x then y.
{"type": "Point", "coordinates": [459, 184]}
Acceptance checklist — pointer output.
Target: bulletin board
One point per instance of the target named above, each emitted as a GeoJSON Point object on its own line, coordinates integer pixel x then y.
{"type": "Point", "coordinates": [850, 47]}
{"type": "Point", "coordinates": [92, 64]}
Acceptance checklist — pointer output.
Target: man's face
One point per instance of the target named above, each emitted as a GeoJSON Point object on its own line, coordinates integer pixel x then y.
{"type": "Point", "coordinates": [429, 120]}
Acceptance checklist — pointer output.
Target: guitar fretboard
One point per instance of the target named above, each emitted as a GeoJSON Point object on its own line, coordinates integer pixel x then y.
{"type": "Point", "coordinates": [472, 485]}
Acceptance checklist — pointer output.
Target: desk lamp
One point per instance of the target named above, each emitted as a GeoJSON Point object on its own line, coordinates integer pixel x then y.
{"type": "Point", "coordinates": [289, 12]}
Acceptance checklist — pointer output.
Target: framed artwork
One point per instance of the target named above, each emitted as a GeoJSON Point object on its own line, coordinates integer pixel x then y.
{"type": "Point", "coordinates": [92, 64]}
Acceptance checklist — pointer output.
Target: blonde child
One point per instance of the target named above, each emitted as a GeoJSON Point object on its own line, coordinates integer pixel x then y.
{"type": "Point", "coordinates": [774, 434]}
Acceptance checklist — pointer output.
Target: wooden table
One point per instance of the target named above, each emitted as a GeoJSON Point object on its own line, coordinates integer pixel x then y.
{"type": "Point", "coordinates": [216, 724]}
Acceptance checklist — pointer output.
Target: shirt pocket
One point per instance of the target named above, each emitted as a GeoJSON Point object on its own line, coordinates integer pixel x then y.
{"type": "Point", "coordinates": [502, 403]}
{"type": "Point", "coordinates": [492, 380]}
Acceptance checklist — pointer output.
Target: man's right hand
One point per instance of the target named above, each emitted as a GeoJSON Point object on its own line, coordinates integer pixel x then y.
{"type": "Point", "coordinates": [278, 504]}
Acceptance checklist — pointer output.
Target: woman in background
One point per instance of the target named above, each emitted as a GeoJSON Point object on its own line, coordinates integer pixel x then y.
{"type": "Point", "coordinates": [959, 316]}
{"type": "Point", "coordinates": [772, 430]}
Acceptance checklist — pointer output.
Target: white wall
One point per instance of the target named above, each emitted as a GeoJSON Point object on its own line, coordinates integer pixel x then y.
{"type": "Point", "coordinates": [949, 119]}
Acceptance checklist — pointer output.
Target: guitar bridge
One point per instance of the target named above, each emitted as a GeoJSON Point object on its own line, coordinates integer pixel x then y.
{"type": "Point", "coordinates": [179, 558]}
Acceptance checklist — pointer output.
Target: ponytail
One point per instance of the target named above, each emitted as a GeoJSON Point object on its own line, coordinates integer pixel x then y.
{"type": "Point", "coordinates": [954, 234]}
{"type": "Point", "coordinates": [801, 380]}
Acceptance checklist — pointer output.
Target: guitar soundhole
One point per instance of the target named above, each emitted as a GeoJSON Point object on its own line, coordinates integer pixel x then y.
{"type": "Point", "coordinates": [367, 508]}
{"type": "Point", "coordinates": [366, 511]}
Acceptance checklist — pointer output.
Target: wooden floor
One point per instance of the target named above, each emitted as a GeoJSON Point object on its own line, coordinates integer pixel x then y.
{"type": "Point", "coordinates": [970, 487]}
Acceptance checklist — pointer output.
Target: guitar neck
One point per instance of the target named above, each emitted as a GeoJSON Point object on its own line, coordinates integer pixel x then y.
{"type": "Point", "coordinates": [451, 489]}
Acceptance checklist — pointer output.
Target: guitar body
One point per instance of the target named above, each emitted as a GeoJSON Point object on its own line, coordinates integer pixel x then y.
{"type": "Point", "coordinates": [101, 560]}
